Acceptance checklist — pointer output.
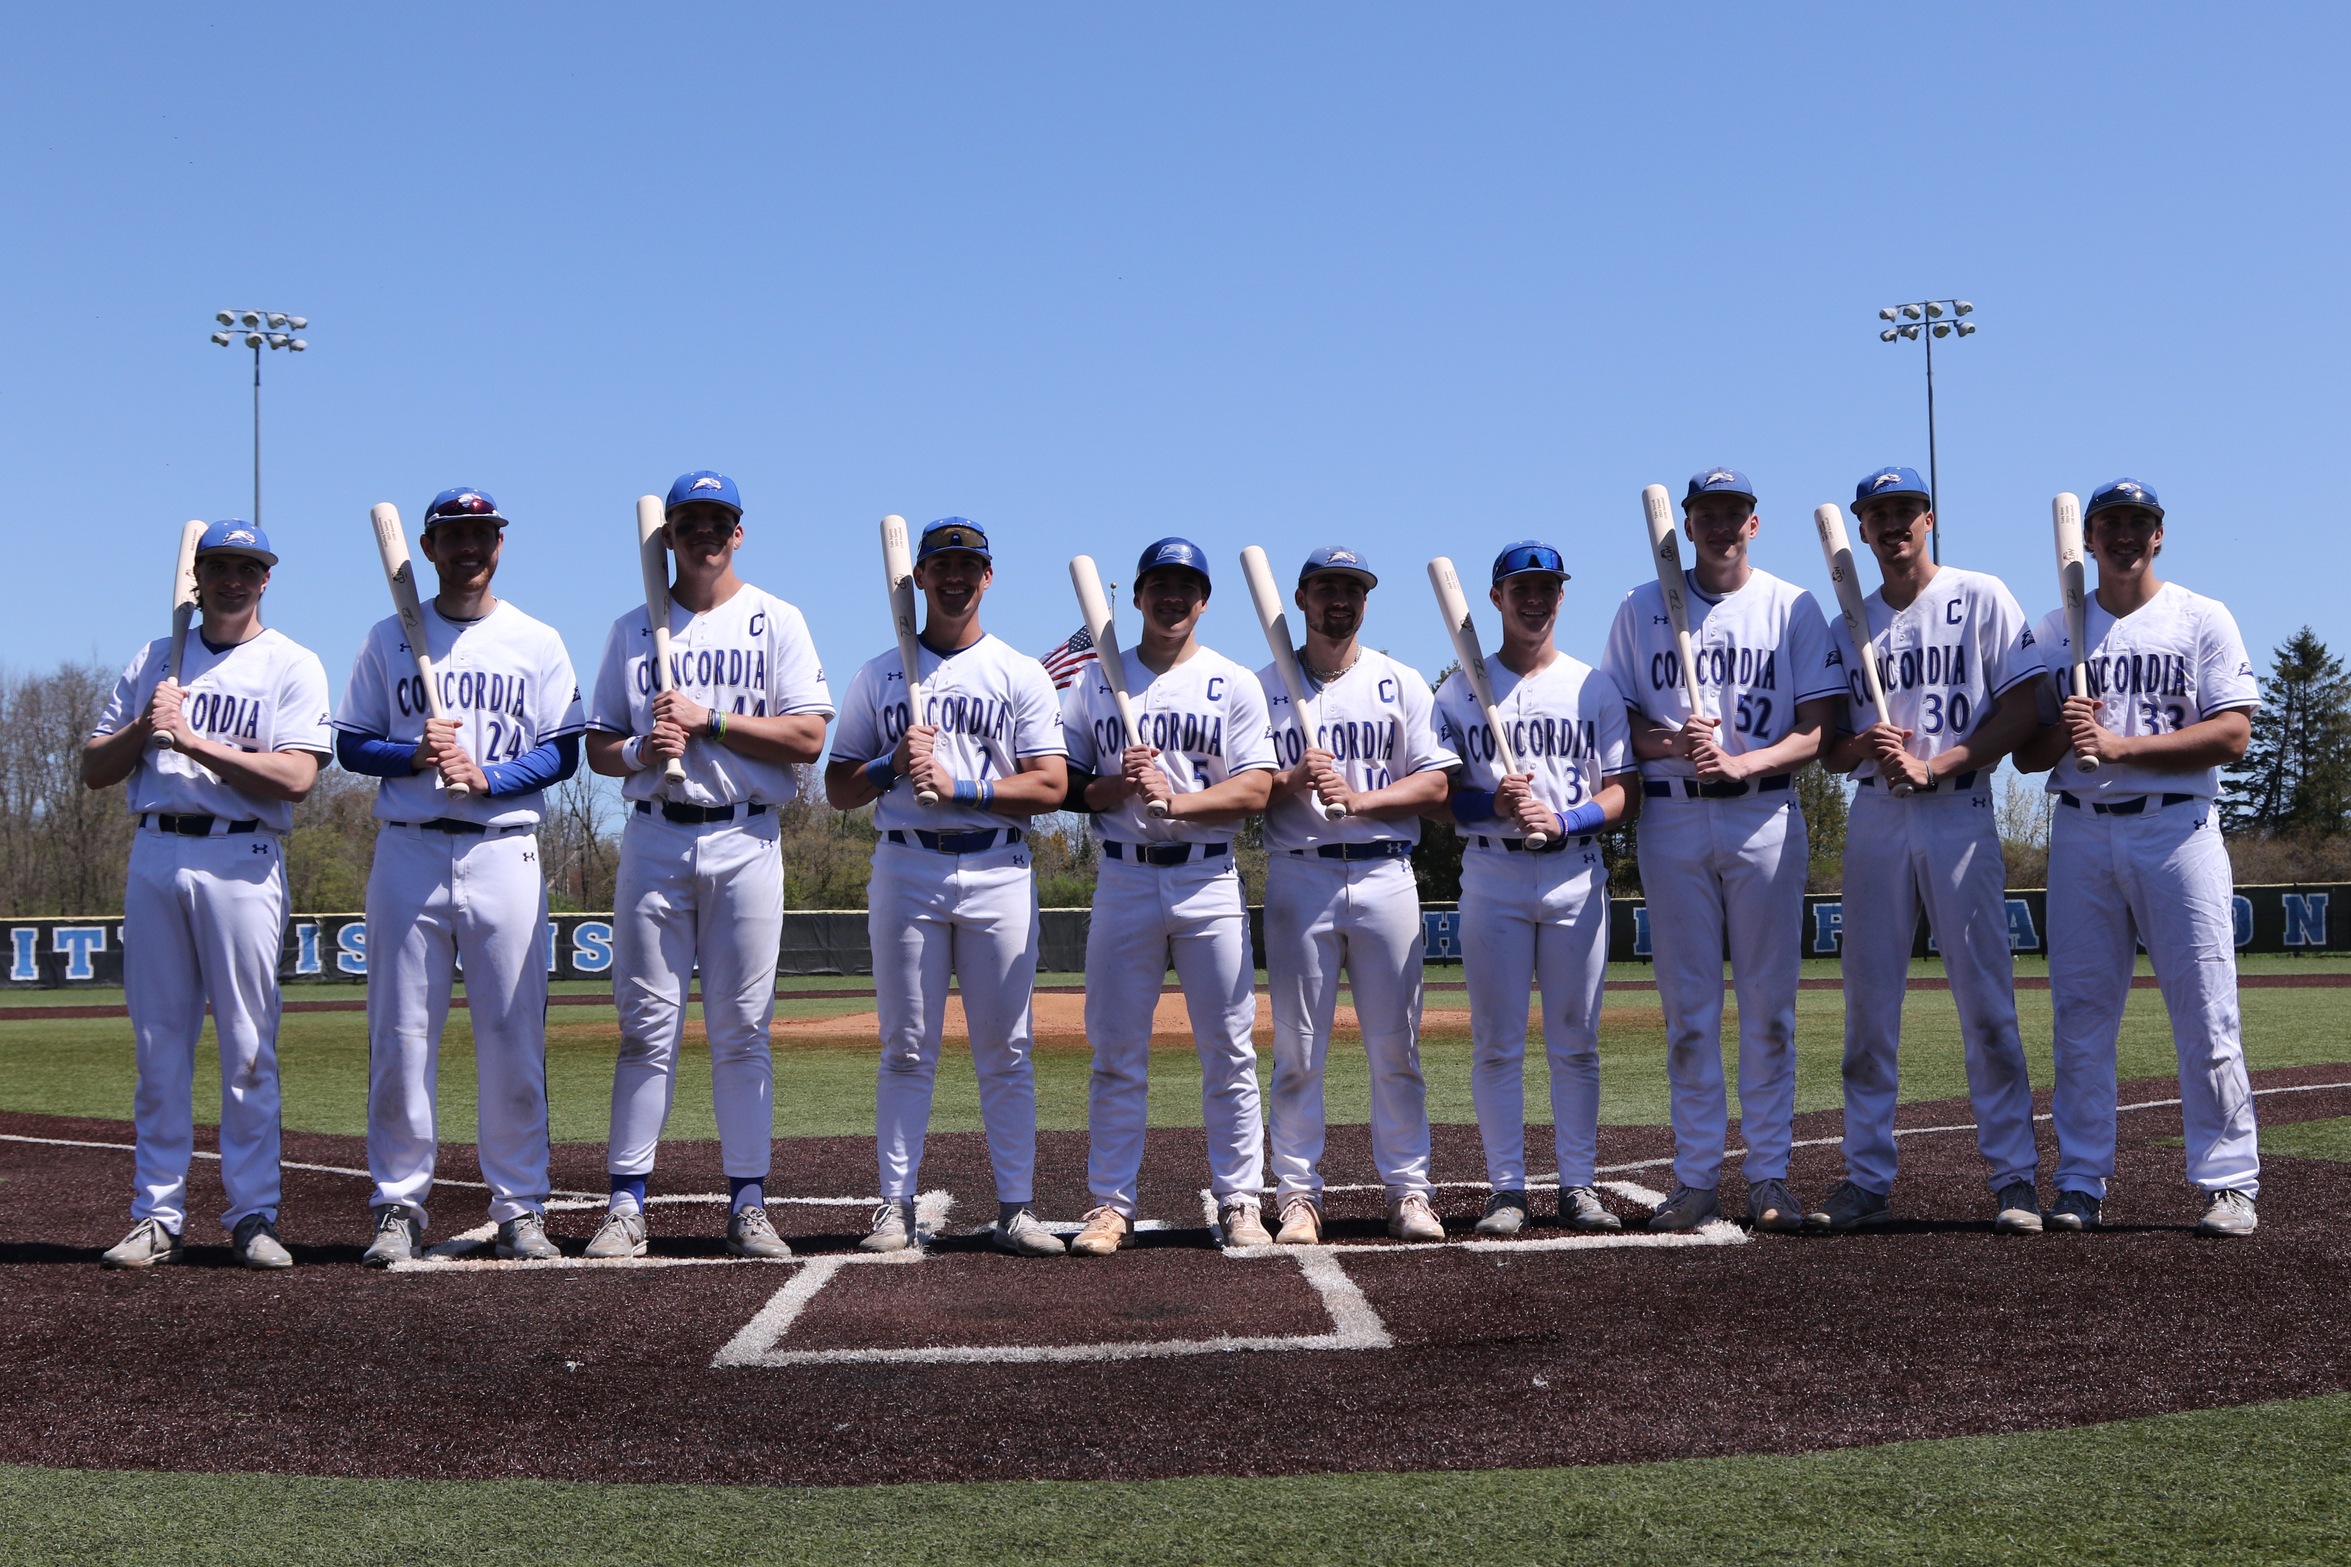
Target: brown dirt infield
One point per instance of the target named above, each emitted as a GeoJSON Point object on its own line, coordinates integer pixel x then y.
{"type": "Point", "coordinates": [1933, 1327]}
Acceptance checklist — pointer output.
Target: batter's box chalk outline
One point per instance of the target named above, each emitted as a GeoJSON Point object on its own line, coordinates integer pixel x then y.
{"type": "Point", "coordinates": [1354, 1326]}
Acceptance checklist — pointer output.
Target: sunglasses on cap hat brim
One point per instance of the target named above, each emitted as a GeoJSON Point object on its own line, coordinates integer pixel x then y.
{"type": "Point", "coordinates": [464, 507]}
{"type": "Point", "coordinates": [1530, 560]}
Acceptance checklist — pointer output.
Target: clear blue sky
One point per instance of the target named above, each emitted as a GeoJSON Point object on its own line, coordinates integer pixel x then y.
{"type": "Point", "coordinates": [1416, 279]}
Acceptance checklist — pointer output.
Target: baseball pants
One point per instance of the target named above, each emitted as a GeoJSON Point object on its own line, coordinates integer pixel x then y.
{"type": "Point", "coordinates": [437, 902]}
{"type": "Point", "coordinates": [1146, 916]}
{"type": "Point", "coordinates": [1939, 853]}
{"type": "Point", "coordinates": [973, 917]}
{"type": "Point", "coordinates": [1529, 918]}
{"type": "Point", "coordinates": [203, 919]}
{"type": "Point", "coordinates": [1717, 871]}
{"type": "Point", "coordinates": [2161, 877]}
{"type": "Point", "coordinates": [688, 896]}
{"type": "Point", "coordinates": [1364, 916]}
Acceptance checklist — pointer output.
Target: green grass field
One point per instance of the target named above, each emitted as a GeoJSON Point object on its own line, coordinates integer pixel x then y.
{"type": "Point", "coordinates": [2263, 1483]}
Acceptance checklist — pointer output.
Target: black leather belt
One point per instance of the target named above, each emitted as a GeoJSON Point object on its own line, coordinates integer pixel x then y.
{"type": "Point", "coordinates": [1379, 849]}
{"type": "Point", "coordinates": [976, 841]}
{"type": "Point", "coordinates": [197, 826]}
{"type": "Point", "coordinates": [1953, 783]}
{"type": "Point", "coordinates": [1692, 789]}
{"type": "Point", "coordinates": [1159, 853]}
{"type": "Point", "coordinates": [701, 815]}
{"type": "Point", "coordinates": [2131, 807]}
{"type": "Point", "coordinates": [448, 824]}
{"type": "Point", "coordinates": [1519, 845]}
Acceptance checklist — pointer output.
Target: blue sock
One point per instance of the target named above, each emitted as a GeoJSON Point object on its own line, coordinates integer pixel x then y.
{"type": "Point", "coordinates": [745, 1191]}
{"type": "Point", "coordinates": [632, 1187]}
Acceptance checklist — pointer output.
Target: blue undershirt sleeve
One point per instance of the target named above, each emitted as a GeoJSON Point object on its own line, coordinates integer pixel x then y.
{"type": "Point", "coordinates": [374, 755]}
{"type": "Point", "coordinates": [548, 762]}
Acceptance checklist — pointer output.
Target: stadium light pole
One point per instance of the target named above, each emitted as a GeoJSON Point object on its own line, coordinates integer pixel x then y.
{"type": "Point", "coordinates": [260, 329]}
{"type": "Point", "coordinates": [1923, 319]}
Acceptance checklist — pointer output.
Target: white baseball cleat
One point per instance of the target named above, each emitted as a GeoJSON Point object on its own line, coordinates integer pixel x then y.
{"type": "Point", "coordinates": [255, 1241]}
{"type": "Point", "coordinates": [1106, 1230]}
{"type": "Point", "coordinates": [396, 1237]}
{"type": "Point", "coordinates": [1580, 1208]}
{"type": "Point", "coordinates": [1506, 1214]}
{"type": "Point", "coordinates": [749, 1234]}
{"type": "Point", "coordinates": [1410, 1218]}
{"type": "Point", "coordinates": [149, 1245]}
{"type": "Point", "coordinates": [1301, 1222]}
{"type": "Point", "coordinates": [2227, 1213]}
{"type": "Point", "coordinates": [622, 1234]}
{"type": "Point", "coordinates": [1242, 1224]}
{"type": "Point", "coordinates": [523, 1238]}
{"type": "Point", "coordinates": [1021, 1235]}
{"type": "Point", "coordinates": [892, 1229]}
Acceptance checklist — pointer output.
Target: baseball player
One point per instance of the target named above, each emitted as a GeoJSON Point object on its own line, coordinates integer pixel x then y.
{"type": "Point", "coordinates": [1723, 847]}
{"type": "Point", "coordinates": [1536, 917]}
{"type": "Point", "coordinates": [701, 881]}
{"type": "Point", "coordinates": [952, 894]}
{"type": "Point", "coordinates": [1341, 895]}
{"type": "Point", "coordinates": [1958, 666]}
{"type": "Point", "coordinates": [216, 761]}
{"type": "Point", "coordinates": [456, 881]}
{"type": "Point", "coordinates": [1168, 890]}
{"type": "Point", "coordinates": [2135, 855]}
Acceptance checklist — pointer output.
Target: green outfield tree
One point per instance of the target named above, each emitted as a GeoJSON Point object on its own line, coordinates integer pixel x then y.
{"type": "Point", "coordinates": [2295, 780]}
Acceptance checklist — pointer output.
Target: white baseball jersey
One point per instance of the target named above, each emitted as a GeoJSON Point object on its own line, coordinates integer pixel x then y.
{"type": "Point", "coordinates": [1207, 717]}
{"type": "Point", "coordinates": [2176, 660]}
{"type": "Point", "coordinates": [751, 655]}
{"type": "Point", "coordinates": [1566, 725]}
{"type": "Point", "coordinates": [1945, 659]}
{"type": "Point", "coordinates": [1378, 721]}
{"type": "Point", "coordinates": [268, 693]}
{"type": "Point", "coordinates": [993, 705]}
{"type": "Point", "coordinates": [1759, 651]}
{"type": "Point", "coordinates": [505, 678]}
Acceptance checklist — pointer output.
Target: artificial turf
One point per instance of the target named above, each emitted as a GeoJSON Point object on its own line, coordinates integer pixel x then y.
{"type": "Point", "coordinates": [2263, 1483]}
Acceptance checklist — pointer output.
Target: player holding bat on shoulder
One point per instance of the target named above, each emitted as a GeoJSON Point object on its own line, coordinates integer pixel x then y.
{"type": "Point", "coordinates": [1956, 671]}
{"type": "Point", "coordinates": [1544, 766]}
{"type": "Point", "coordinates": [1724, 713]}
{"type": "Point", "coordinates": [976, 725]}
{"type": "Point", "coordinates": [2150, 694]}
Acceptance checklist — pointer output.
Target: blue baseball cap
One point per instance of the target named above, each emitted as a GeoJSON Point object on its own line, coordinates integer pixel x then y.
{"type": "Point", "coordinates": [2117, 492]}
{"type": "Point", "coordinates": [234, 536]}
{"type": "Point", "coordinates": [1718, 481]}
{"type": "Point", "coordinates": [1342, 562]}
{"type": "Point", "coordinates": [1527, 558]}
{"type": "Point", "coordinates": [703, 485]}
{"type": "Point", "coordinates": [463, 501]}
{"type": "Point", "coordinates": [1173, 552]}
{"type": "Point", "coordinates": [1888, 482]}
{"type": "Point", "coordinates": [953, 533]}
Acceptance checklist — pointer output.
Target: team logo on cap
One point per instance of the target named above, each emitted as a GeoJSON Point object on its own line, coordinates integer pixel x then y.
{"type": "Point", "coordinates": [2126, 487]}
{"type": "Point", "coordinates": [1884, 479]}
{"type": "Point", "coordinates": [237, 536]}
{"type": "Point", "coordinates": [1719, 476]}
{"type": "Point", "coordinates": [706, 483]}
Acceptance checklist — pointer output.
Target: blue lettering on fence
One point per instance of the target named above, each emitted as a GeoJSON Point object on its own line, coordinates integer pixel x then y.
{"type": "Point", "coordinates": [77, 942]}
{"type": "Point", "coordinates": [2243, 908]}
{"type": "Point", "coordinates": [24, 965]}
{"type": "Point", "coordinates": [351, 948]}
{"type": "Point", "coordinates": [1641, 931]}
{"type": "Point", "coordinates": [1828, 926]}
{"type": "Point", "coordinates": [306, 947]}
{"type": "Point", "coordinates": [591, 946]}
{"type": "Point", "coordinates": [2306, 919]}
{"type": "Point", "coordinates": [2021, 935]}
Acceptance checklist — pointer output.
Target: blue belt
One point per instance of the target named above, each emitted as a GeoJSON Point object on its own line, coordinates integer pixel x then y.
{"type": "Point", "coordinates": [1159, 853]}
{"type": "Point", "coordinates": [978, 840]}
{"type": "Point", "coordinates": [1717, 789]}
{"type": "Point", "coordinates": [1378, 849]}
{"type": "Point", "coordinates": [2131, 807]}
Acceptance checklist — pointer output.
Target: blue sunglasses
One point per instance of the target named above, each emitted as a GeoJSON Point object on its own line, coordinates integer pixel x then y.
{"type": "Point", "coordinates": [1520, 559]}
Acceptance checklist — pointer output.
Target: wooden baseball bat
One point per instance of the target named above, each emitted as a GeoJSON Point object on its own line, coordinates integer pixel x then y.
{"type": "Point", "coordinates": [183, 606]}
{"type": "Point", "coordinates": [898, 570]}
{"type": "Point", "coordinates": [2065, 520]}
{"type": "Point", "coordinates": [392, 550]}
{"type": "Point", "coordinates": [1837, 549]}
{"type": "Point", "coordinates": [1453, 608]}
{"type": "Point", "coordinates": [1094, 610]}
{"type": "Point", "coordinates": [1665, 547]}
{"type": "Point", "coordinates": [1276, 622]}
{"type": "Point", "coordinates": [653, 565]}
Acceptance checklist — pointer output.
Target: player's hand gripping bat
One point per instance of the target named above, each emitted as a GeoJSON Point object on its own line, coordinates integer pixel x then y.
{"type": "Point", "coordinates": [898, 570]}
{"type": "Point", "coordinates": [183, 607]}
{"type": "Point", "coordinates": [1453, 606]}
{"type": "Point", "coordinates": [392, 549]}
{"type": "Point", "coordinates": [1665, 549]}
{"type": "Point", "coordinates": [653, 564]}
{"type": "Point", "coordinates": [1276, 622]}
{"type": "Point", "coordinates": [1094, 610]}
{"type": "Point", "coordinates": [1837, 550]}
{"type": "Point", "coordinates": [2065, 520]}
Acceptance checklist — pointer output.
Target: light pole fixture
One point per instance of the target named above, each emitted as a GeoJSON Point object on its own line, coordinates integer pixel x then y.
{"type": "Point", "coordinates": [1924, 320]}
{"type": "Point", "coordinates": [259, 329]}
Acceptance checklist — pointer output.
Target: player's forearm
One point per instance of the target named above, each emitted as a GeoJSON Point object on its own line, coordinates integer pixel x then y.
{"type": "Point", "coordinates": [1845, 753]}
{"type": "Point", "coordinates": [264, 775]}
{"type": "Point", "coordinates": [1619, 799]}
{"type": "Point", "coordinates": [1799, 746]}
{"type": "Point", "coordinates": [1040, 786]}
{"type": "Point", "coordinates": [604, 754]}
{"type": "Point", "coordinates": [786, 739]}
{"type": "Point", "coordinates": [1652, 741]}
{"type": "Point", "coordinates": [1406, 797]}
{"type": "Point", "coordinates": [1221, 805]}
{"type": "Point", "coordinates": [109, 759]}
{"type": "Point", "coordinates": [2043, 749]}
{"type": "Point", "coordinates": [2010, 725]}
{"type": "Point", "coordinates": [1290, 782]}
{"type": "Point", "coordinates": [2219, 741]}
{"type": "Point", "coordinates": [846, 787]}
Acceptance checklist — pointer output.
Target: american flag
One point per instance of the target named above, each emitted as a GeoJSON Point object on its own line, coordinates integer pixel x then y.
{"type": "Point", "coordinates": [1064, 662]}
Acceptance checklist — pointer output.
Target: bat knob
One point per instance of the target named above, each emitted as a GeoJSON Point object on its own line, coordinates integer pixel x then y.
{"type": "Point", "coordinates": [1333, 812]}
{"type": "Point", "coordinates": [2088, 764]}
{"type": "Point", "coordinates": [926, 796]}
{"type": "Point", "coordinates": [1536, 840]}
{"type": "Point", "coordinates": [1157, 809]}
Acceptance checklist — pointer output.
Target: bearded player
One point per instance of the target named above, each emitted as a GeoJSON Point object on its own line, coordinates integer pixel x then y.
{"type": "Point", "coordinates": [701, 881]}
{"type": "Point", "coordinates": [2135, 856]}
{"type": "Point", "coordinates": [1723, 844]}
{"type": "Point", "coordinates": [1168, 891]}
{"type": "Point", "coordinates": [205, 909]}
{"type": "Point", "coordinates": [953, 898]}
{"type": "Point", "coordinates": [1340, 896]}
{"type": "Point", "coordinates": [456, 882]}
{"type": "Point", "coordinates": [1958, 666]}
{"type": "Point", "coordinates": [1536, 917]}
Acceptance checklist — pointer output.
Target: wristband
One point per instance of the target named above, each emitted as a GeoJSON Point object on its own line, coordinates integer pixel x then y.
{"type": "Point", "coordinates": [1585, 818]}
{"type": "Point", "coordinates": [881, 773]}
{"type": "Point", "coordinates": [718, 725]}
{"type": "Point", "coordinates": [966, 792]}
{"type": "Point", "coordinates": [987, 795]}
{"type": "Point", "coordinates": [1473, 805]}
{"type": "Point", "coordinates": [632, 753]}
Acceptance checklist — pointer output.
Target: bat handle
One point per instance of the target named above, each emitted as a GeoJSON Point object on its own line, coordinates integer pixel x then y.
{"type": "Point", "coordinates": [1333, 812]}
{"type": "Point", "coordinates": [2088, 764]}
{"type": "Point", "coordinates": [1536, 840]}
{"type": "Point", "coordinates": [674, 770]}
{"type": "Point", "coordinates": [926, 796]}
{"type": "Point", "coordinates": [1157, 810]}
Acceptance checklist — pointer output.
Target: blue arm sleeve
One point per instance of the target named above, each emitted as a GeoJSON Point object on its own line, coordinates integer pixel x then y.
{"type": "Point", "coordinates": [1473, 805]}
{"type": "Point", "coordinates": [548, 762]}
{"type": "Point", "coordinates": [374, 755]}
